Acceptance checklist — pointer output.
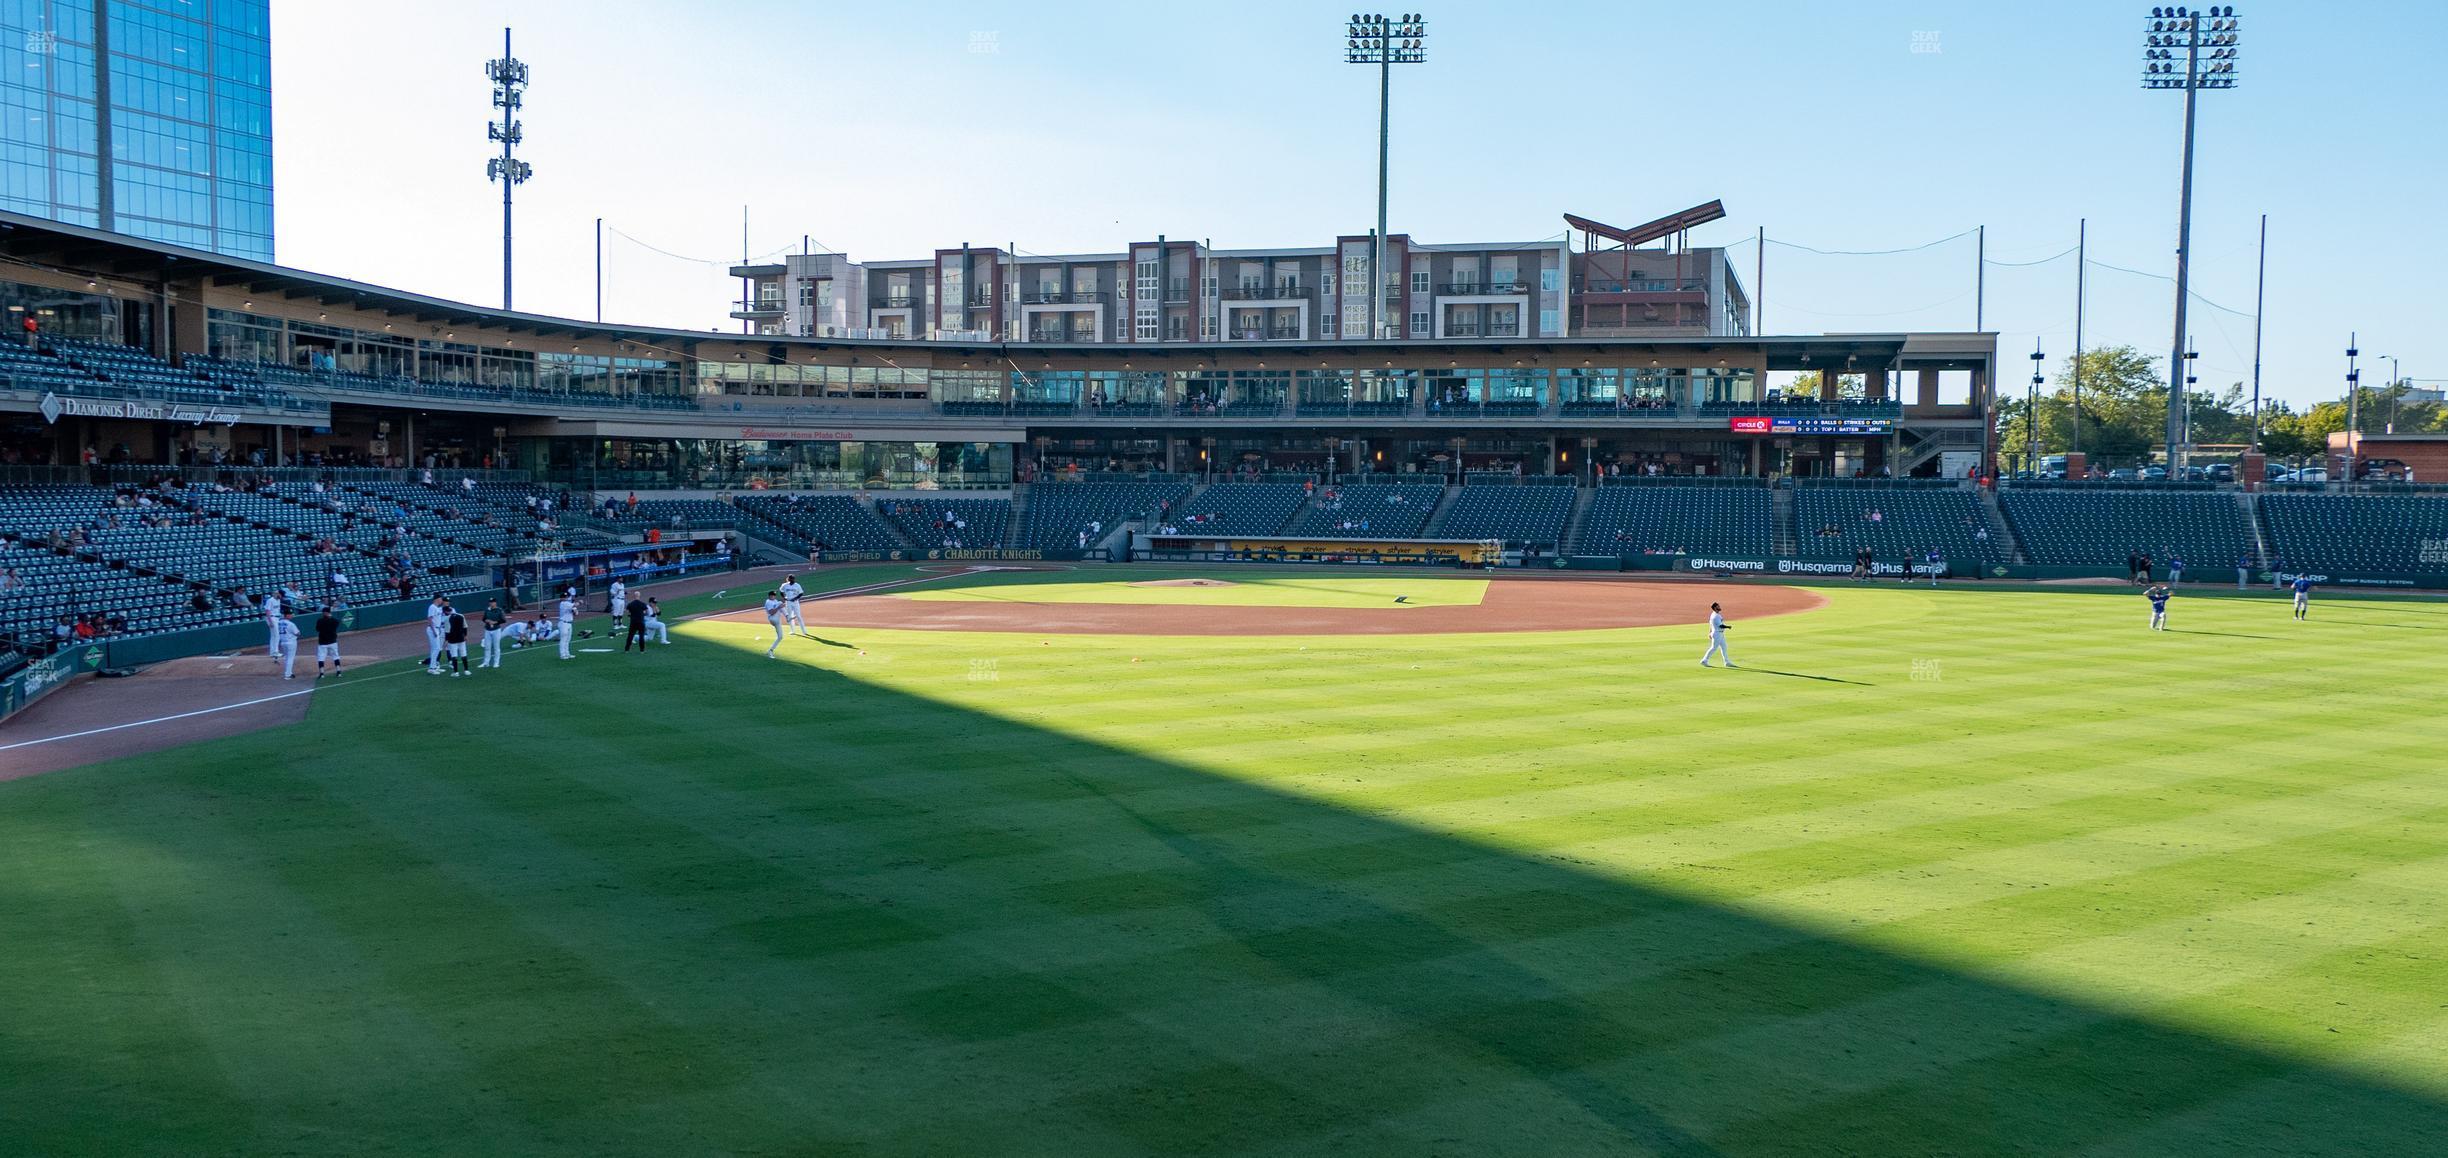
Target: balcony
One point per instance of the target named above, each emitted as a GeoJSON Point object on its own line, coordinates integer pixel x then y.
{"type": "Point", "coordinates": [757, 309]}
{"type": "Point", "coordinates": [1266, 293]}
{"type": "Point", "coordinates": [1476, 289]}
{"type": "Point", "coordinates": [895, 301]}
{"type": "Point", "coordinates": [1060, 298]}
{"type": "Point", "coordinates": [1640, 286]}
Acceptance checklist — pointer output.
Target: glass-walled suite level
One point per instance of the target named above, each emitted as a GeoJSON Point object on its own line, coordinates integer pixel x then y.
{"type": "Point", "coordinates": [778, 464]}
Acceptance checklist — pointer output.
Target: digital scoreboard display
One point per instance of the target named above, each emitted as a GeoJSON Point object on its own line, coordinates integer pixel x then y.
{"type": "Point", "coordinates": [1781, 424]}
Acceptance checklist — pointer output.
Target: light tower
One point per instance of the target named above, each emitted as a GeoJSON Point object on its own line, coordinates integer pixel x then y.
{"type": "Point", "coordinates": [509, 76]}
{"type": "Point", "coordinates": [1384, 42]}
{"type": "Point", "coordinates": [2190, 49]}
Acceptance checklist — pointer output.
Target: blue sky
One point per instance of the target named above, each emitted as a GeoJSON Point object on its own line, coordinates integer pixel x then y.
{"type": "Point", "coordinates": [889, 130]}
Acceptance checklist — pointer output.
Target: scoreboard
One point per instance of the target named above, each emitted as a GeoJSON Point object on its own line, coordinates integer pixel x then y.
{"type": "Point", "coordinates": [1783, 424]}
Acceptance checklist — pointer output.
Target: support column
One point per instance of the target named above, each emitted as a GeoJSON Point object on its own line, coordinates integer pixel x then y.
{"type": "Point", "coordinates": [1874, 385]}
{"type": "Point", "coordinates": [1925, 392]}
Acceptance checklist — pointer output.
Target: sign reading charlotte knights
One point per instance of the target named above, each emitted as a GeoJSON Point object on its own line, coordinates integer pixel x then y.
{"type": "Point", "coordinates": [54, 407]}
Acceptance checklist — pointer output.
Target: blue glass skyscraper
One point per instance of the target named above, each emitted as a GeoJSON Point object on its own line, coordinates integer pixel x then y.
{"type": "Point", "coordinates": [146, 117]}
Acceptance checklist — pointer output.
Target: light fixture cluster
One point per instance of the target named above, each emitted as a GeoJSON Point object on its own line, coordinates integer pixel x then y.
{"type": "Point", "coordinates": [1375, 38]}
{"type": "Point", "coordinates": [2190, 48]}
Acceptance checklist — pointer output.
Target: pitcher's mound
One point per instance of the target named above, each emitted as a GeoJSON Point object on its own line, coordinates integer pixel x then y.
{"type": "Point", "coordinates": [1185, 583]}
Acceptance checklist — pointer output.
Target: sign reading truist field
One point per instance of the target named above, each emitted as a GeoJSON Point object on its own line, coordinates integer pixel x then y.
{"type": "Point", "coordinates": [55, 407]}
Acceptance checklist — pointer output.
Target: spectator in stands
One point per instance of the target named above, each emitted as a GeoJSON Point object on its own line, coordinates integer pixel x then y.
{"type": "Point", "coordinates": [33, 330]}
{"type": "Point", "coordinates": [9, 582]}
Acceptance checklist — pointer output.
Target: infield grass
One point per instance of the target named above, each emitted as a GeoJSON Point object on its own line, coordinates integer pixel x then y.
{"type": "Point", "coordinates": [1938, 872]}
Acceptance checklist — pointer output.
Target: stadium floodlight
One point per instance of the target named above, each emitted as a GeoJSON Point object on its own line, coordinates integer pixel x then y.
{"type": "Point", "coordinates": [509, 77]}
{"type": "Point", "coordinates": [2031, 413]}
{"type": "Point", "coordinates": [2190, 49]}
{"type": "Point", "coordinates": [1383, 41]}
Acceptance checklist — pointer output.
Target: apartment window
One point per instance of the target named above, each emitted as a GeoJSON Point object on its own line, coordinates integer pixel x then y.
{"type": "Point", "coordinates": [1326, 324]}
{"type": "Point", "coordinates": [1147, 324]}
{"type": "Point", "coordinates": [1419, 323]}
{"type": "Point", "coordinates": [1326, 285]}
{"type": "Point", "coordinates": [1547, 322]}
{"type": "Point", "coordinates": [1207, 286]}
{"type": "Point", "coordinates": [1551, 280]}
{"type": "Point", "coordinates": [1419, 281]}
{"type": "Point", "coordinates": [1121, 327]}
{"type": "Point", "coordinates": [1207, 327]}
{"type": "Point", "coordinates": [1175, 331]}
{"type": "Point", "coordinates": [1147, 282]}
{"type": "Point", "coordinates": [1356, 318]}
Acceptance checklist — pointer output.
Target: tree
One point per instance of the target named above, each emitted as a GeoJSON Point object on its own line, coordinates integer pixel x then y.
{"type": "Point", "coordinates": [1804, 385]}
{"type": "Point", "coordinates": [2124, 409]}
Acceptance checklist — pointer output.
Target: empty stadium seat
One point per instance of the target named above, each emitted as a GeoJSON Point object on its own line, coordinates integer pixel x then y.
{"type": "Point", "coordinates": [2396, 534]}
{"type": "Point", "coordinates": [1518, 515]}
{"type": "Point", "coordinates": [1835, 521]}
{"type": "Point", "coordinates": [2101, 527]}
{"type": "Point", "coordinates": [1632, 518]}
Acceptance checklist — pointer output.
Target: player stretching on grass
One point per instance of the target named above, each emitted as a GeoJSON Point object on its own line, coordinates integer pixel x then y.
{"type": "Point", "coordinates": [655, 626]}
{"type": "Point", "coordinates": [1717, 630]}
{"type": "Point", "coordinates": [773, 615]}
{"type": "Point", "coordinates": [791, 591]}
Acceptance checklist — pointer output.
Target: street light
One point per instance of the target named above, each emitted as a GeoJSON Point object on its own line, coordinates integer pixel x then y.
{"type": "Point", "coordinates": [2031, 414]}
{"type": "Point", "coordinates": [1384, 42]}
{"type": "Point", "coordinates": [2190, 49]}
{"type": "Point", "coordinates": [2354, 407]}
{"type": "Point", "coordinates": [509, 77]}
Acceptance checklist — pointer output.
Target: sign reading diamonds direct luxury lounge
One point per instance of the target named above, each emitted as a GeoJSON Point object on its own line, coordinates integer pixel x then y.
{"type": "Point", "coordinates": [55, 407]}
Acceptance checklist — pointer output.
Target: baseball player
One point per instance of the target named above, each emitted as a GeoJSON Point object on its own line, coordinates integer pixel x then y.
{"type": "Point", "coordinates": [437, 615]}
{"type": "Point", "coordinates": [284, 645]}
{"type": "Point", "coordinates": [773, 615]}
{"type": "Point", "coordinates": [1717, 630]}
{"type": "Point", "coordinates": [655, 626]}
{"type": "Point", "coordinates": [327, 641]}
{"type": "Point", "coordinates": [791, 591]}
{"type": "Point", "coordinates": [272, 612]}
{"type": "Point", "coordinates": [2158, 600]}
{"type": "Point", "coordinates": [2303, 596]}
{"type": "Point", "coordinates": [494, 621]}
{"type": "Point", "coordinates": [617, 602]}
{"type": "Point", "coordinates": [568, 617]}
{"type": "Point", "coordinates": [454, 641]}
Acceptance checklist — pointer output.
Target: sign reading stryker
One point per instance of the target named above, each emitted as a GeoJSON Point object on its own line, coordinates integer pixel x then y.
{"type": "Point", "coordinates": [54, 407]}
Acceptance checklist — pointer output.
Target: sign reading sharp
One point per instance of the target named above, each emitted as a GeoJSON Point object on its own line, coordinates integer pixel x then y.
{"type": "Point", "coordinates": [54, 406]}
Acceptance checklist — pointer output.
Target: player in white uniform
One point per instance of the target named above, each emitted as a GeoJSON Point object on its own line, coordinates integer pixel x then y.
{"type": "Point", "coordinates": [1717, 630]}
{"type": "Point", "coordinates": [272, 612]}
{"type": "Point", "coordinates": [791, 591]}
{"type": "Point", "coordinates": [284, 645]}
{"type": "Point", "coordinates": [656, 629]}
{"type": "Point", "coordinates": [619, 599]}
{"type": "Point", "coordinates": [437, 616]}
{"type": "Point", "coordinates": [773, 615]}
{"type": "Point", "coordinates": [495, 623]}
{"type": "Point", "coordinates": [569, 619]}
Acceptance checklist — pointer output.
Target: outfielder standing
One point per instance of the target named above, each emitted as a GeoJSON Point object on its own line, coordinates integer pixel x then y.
{"type": "Point", "coordinates": [791, 591]}
{"type": "Point", "coordinates": [773, 615]}
{"type": "Point", "coordinates": [2303, 596]}
{"type": "Point", "coordinates": [1717, 630]}
{"type": "Point", "coordinates": [568, 617]}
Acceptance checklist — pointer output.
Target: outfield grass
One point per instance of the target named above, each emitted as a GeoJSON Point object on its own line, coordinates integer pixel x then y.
{"type": "Point", "coordinates": [1940, 872]}
{"type": "Point", "coordinates": [1254, 590]}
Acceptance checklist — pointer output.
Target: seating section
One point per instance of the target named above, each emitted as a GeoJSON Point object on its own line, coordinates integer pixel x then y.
{"type": "Point", "coordinates": [1834, 522]}
{"type": "Point", "coordinates": [1659, 518]}
{"type": "Point", "coordinates": [834, 522]}
{"type": "Point", "coordinates": [681, 514]}
{"type": "Point", "coordinates": [1058, 512]}
{"type": "Point", "coordinates": [1369, 510]}
{"type": "Point", "coordinates": [949, 524]}
{"type": "Point", "coordinates": [1519, 515]}
{"type": "Point", "coordinates": [2060, 528]}
{"type": "Point", "coordinates": [2399, 534]}
{"type": "Point", "coordinates": [1232, 508]}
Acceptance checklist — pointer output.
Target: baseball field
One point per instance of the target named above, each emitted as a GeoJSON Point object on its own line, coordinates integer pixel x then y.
{"type": "Point", "coordinates": [1944, 872]}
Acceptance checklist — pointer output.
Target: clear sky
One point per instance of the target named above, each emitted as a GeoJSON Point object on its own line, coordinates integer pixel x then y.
{"type": "Point", "coordinates": [888, 130]}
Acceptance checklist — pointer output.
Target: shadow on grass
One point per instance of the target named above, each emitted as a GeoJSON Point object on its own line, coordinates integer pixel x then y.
{"type": "Point", "coordinates": [1058, 945]}
{"type": "Point", "coordinates": [1795, 675]}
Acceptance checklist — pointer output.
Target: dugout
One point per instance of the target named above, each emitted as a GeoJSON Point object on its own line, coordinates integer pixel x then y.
{"type": "Point", "coordinates": [1296, 549]}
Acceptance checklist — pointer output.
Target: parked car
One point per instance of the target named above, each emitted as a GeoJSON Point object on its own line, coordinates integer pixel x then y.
{"type": "Point", "coordinates": [2220, 472]}
{"type": "Point", "coordinates": [2309, 474]}
{"type": "Point", "coordinates": [2121, 474]}
{"type": "Point", "coordinates": [2154, 474]}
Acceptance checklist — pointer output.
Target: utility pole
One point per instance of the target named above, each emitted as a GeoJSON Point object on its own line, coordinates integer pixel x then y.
{"type": "Point", "coordinates": [599, 269]}
{"type": "Point", "coordinates": [2260, 302]}
{"type": "Point", "coordinates": [509, 77]}
{"type": "Point", "coordinates": [2082, 269]}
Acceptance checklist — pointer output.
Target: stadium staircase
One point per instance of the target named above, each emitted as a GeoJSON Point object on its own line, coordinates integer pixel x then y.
{"type": "Point", "coordinates": [2260, 529]}
{"type": "Point", "coordinates": [1781, 505]}
{"type": "Point", "coordinates": [1019, 512]}
{"type": "Point", "coordinates": [1582, 497]}
{"type": "Point", "coordinates": [1444, 508]}
{"type": "Point", "coordinates": [2000, 528]}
